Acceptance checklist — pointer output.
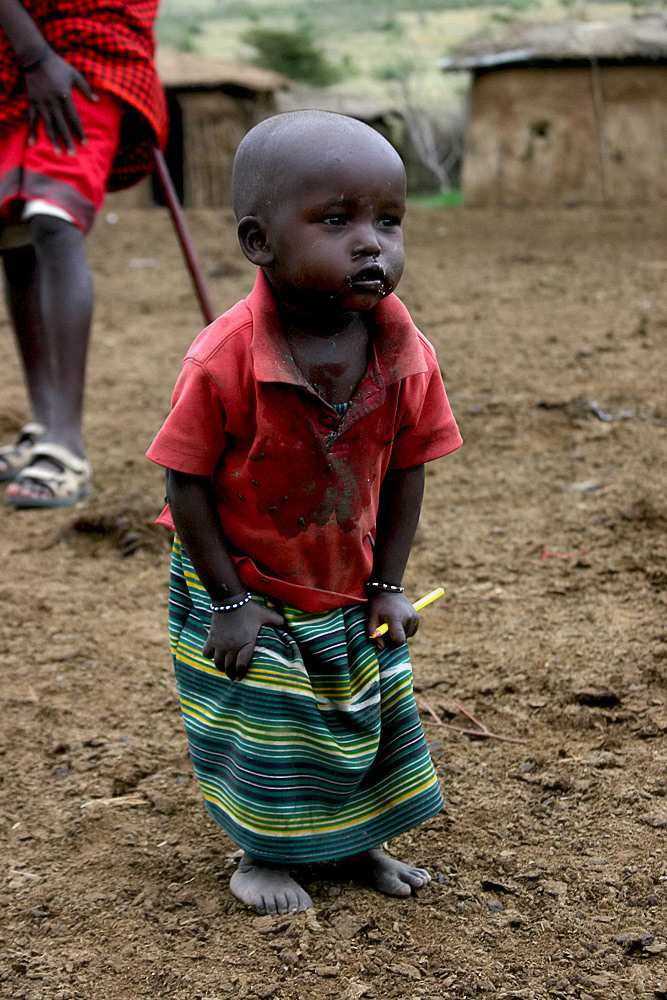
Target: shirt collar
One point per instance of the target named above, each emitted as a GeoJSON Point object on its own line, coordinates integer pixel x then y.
{"type": "Point", "coordinates": [397, 346]}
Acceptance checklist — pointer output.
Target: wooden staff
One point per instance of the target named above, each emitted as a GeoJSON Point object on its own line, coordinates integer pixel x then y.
{"type": "Point", "coordinates": [184, 239]}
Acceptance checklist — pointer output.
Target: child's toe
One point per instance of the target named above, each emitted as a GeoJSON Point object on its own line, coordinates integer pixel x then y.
{"type": "Point", "coordinates": [417, 877]}
{"type": "Point", "coordinates": [282, 903]}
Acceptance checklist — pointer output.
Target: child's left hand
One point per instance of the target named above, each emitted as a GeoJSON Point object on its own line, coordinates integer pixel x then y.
{"type": "Point", "coordinates": [396, 611]}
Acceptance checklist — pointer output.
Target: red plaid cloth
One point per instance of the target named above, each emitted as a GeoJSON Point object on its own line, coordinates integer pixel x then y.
{"type": "Point", "coordinates": [111, 43]}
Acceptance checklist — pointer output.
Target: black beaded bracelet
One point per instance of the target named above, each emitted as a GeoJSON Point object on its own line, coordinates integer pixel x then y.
{"type": "Point", "coordinates": [36, 63]}
{"type": "Point", "coordinates": [230, 607]}
{"type": "Point", "coordinates": [392, 588]}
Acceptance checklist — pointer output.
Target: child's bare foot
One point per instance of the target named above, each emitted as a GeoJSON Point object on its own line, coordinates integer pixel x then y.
{"type": "Point", "coordinates": [390, 876]}
{"type": "Point", "coordinates": [268, 890]}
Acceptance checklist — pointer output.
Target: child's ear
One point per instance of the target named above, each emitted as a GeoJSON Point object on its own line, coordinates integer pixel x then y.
{"type": "Point", "coordinates": [254, 241]}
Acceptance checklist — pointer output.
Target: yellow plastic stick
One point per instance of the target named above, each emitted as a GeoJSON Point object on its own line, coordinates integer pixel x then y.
{"type": "Point", "coordinates": [418, 605]}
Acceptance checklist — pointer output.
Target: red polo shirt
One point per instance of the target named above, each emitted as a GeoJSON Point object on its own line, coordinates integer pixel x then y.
{"type": "Point", "coordinates": [297, 486]}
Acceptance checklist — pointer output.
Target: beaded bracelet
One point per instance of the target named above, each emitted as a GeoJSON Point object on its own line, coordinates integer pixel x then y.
{"type": "Point", "coordinates": [230, 607]}
{"type": "Point", "coordinates": [36, 63]}
{"type": "Point", "coordinates": [393, 588]}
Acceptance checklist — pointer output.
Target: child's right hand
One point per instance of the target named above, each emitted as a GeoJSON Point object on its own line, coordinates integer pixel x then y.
{"type": "Point", "coordinates": [233, 634]}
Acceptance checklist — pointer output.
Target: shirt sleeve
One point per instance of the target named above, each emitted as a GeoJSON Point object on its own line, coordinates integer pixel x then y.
{"type": "Point", "coordinates": [192, 438]}
{"type": "Point", "coordinates": [426, 428]}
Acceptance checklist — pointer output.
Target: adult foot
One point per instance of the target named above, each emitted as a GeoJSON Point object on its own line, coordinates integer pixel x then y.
{"type": "Point", "coordinates": [55, 477]}
{"type": "Point", "coordinates": [14, 457]}
{"type": "Point", "coordinates": [266, 889]}
{"type": "Point", "coordinates": [390, 876]}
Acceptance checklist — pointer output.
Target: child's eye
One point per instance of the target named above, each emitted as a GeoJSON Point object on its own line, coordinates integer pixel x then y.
{"type": "Point", "coordinates": [335, 219]}
{"type": "Point", "coordinates": [390, 221]}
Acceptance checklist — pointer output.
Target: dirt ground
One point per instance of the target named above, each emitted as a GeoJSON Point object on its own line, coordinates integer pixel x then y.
{"type": "Point", "coordinates": [548, 530]}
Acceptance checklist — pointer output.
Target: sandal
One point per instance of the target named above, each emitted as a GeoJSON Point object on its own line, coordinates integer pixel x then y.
{"type": "Point", "coordinates": [68, 480]}
{"type": "Point", "coordinates": [16, 456]}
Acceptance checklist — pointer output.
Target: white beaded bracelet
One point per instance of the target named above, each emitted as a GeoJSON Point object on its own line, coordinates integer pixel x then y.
{"type": "Point", "coordinates": [393, 588]}
{"type": "Point", "coordinates": [230, 607]}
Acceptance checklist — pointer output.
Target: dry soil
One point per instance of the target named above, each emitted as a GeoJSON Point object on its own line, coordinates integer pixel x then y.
{"type": "Point", "coordinates": [547, 530]}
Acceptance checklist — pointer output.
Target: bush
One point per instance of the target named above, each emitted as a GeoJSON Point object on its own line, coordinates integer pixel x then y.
{"type": "Point", "coordinates": [399, 70]}
{"type": "Point", "coordinates": [294, 54]}
{"type": "Point", "coordinates": [178, 31]}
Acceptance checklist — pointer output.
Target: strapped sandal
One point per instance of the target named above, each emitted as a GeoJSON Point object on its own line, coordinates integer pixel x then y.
{"type": "Point", "coordinates": [68, 481]}
{"type": "Point", "coordinates": [16, 456]}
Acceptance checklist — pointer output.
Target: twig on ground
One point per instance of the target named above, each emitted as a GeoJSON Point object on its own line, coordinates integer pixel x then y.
{"type": "Point", "coordinates": [132, 800]}
{"type": "Point", "coordinates": [465, 712]}
{"type": "Point", "coordinates": [481, 732]}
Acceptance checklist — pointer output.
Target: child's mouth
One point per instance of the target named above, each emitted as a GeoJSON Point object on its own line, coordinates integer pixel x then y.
{"type": "Point", "coordinates": [370, 279]}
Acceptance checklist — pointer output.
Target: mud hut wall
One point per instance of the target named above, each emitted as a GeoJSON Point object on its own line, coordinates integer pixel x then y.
{"type": "Point", "coordinates": [634, 133]}
{"type": "Point", "coordinates": [213, 125]}
{"type": "Point", "coordinates": [565, 135]}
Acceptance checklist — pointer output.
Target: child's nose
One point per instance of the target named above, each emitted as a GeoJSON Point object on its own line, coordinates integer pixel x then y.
{"type": "Point", "coordinates": [366, 242]}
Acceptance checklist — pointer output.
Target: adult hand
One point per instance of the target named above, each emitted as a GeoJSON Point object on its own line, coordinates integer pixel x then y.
{"type": "Point", "coordinates": [49, 87]}
{"type": "Point", "coordinates": [396, 611]}
{"type": "Point", "coordinates": [233, 634]}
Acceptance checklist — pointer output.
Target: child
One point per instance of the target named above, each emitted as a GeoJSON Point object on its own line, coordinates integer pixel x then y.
{"type": "Point", "coordinates": [294, 453]}
{"type": "Point", "coordinates": [81, 109]}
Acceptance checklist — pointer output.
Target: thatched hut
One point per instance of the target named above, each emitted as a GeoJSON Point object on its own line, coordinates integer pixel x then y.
{"type": "Point", "coordinates": [567, 114]}
{"type": "Point", "coordinates": [212, 104]}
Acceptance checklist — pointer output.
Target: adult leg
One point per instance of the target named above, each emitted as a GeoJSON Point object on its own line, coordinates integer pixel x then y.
{"type": "Point", "coordinates": [66, 308]}
{"type": "Point", "coordinates": [22, 297]}
{"type": "Point", "coordinates": [57, 338]}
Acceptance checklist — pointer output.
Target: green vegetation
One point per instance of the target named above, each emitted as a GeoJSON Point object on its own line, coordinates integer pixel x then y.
{"type": "Point", "coordinates": [294, 54]}
{"type": "Point", "coordinates": [398, 71]}
{"type": "Point", "coordinates": [442, 199]}
{"type": "Point", "coordinates": [372, 48]}
{"type": "Point", "coordinates": [179, 31]}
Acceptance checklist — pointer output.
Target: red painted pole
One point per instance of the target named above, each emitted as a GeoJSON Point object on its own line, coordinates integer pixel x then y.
{"type": "Point", "coordinates": [181, 228]}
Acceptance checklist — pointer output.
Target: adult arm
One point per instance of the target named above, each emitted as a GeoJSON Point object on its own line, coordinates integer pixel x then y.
{"type": "Point", "coordinates": [398, 516]}
{"type": "Point", "coordinates": [48, 79]}
{"type": "Point", "coordinates": [233, 634]}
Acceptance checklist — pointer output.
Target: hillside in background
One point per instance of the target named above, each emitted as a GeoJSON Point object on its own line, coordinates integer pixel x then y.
{"type": "Point", "coordinates": [387, 50]}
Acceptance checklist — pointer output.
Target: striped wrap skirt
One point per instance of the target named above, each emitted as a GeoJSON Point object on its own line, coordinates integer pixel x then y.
{"type": "Point", "coordinates": [318, 753]}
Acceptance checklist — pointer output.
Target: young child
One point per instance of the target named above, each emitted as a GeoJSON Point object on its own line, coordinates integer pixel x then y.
{"type": "Point", "coordinates": [295, 452]}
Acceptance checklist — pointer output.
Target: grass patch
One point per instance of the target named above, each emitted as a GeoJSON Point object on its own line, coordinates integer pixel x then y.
{"type": "Point", "coordinates": [441, 199]}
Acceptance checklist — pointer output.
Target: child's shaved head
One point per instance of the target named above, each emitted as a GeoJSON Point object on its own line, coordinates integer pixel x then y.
{"type": "Point", "coordinates": [275, 153]}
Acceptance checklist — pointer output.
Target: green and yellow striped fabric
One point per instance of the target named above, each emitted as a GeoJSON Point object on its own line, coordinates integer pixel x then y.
{"type": "Point", "coordinates": [318, 753]}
